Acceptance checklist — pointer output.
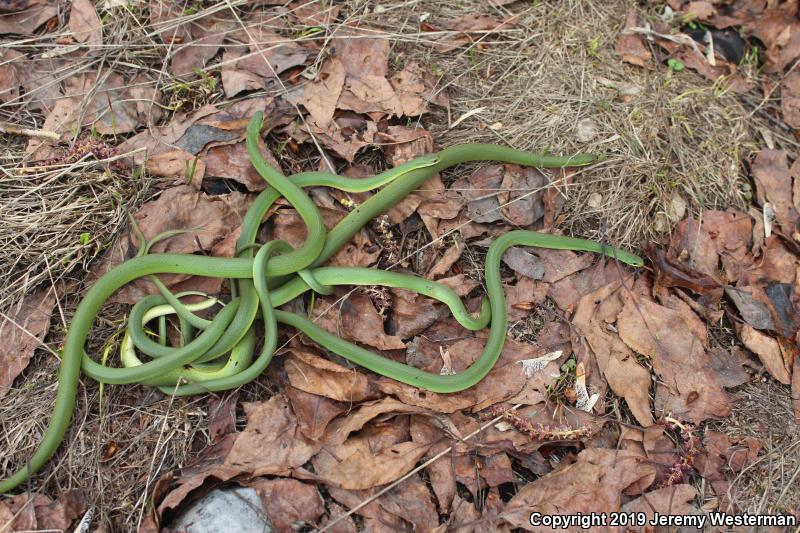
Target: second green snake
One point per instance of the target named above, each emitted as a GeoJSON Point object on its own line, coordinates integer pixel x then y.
{"type": "Point", "coordinates": [220, 353]}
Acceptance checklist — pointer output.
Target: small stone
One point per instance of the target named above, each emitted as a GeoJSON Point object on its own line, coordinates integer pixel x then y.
{"type": "Point", "coordinates": [595, 200]}
{"type": "Point", "coordinates": [586, 130]}
{"type": "Point", "coordinates": [662, 222]}
{"type": "Point", "coordinates": [676, 208]}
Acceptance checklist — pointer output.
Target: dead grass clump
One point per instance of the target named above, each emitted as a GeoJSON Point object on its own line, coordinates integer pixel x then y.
{"type": "Point", "coordinates": [771, 484]}
{"type": "Point", "coordinates": [672, 142]}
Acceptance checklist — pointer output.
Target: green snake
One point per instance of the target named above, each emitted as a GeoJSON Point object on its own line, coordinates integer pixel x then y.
{"type": "Point", "coordinates": [220, 353]}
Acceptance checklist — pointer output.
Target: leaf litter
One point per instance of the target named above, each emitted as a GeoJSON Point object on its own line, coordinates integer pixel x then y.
{"type": "Point", "coordinates": [333, 438]}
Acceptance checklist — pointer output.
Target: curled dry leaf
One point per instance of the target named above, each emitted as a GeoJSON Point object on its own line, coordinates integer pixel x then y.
{"type": "Point", "coordinates": [448, 259]}
{"type": "Point", "coordinates": [313, 412]}
{"type": "Point", "coordinates": [568, 291]}
{"type": "Point", "coordinates": [26, 19]}
{"type": "Point", "coordinates": [339, 431]}
{"type": "Point", "coordinates": [320, 96]}
{"type": "Point", "coordinates": [524, 297]}
{"type": "Point", "coordinates": [206, 37]}
{"type": "Point", "coordinates": [85, 25]}
{"type": "Point", "coordinates": [402, 144]}
{"type": "Point", "coordinates": [406, 507]}
{"type": "Point", "coordinates": [689, 389]}
{"type": "Point", "coordinates": [315, 375]}
{"type": "Point", "coordinates": [615, 360]}
{"type": "Point", "coordinates": [774, 185]}
{"type": "Point", "coordinates": [790, 99]}
{"type": "Point", "coordinates": [355, 318]}
{"type": "Point", "coordinates": [38, 512]}
{"type": "Point", "coordinates": [631, 47]}
{"type": "Point", "coordinates": [108, 103]}
{"type": "Point", "coordinates": [769, 351]}
{"type": "Point", "coordinates": [22, 329]}
{"type": "Point", "coordinates": [290, 504]}
{"type": "Point", "coordinates": [522, 191]}
{"type": "Point", "coordinates": [595, 481]}
{"type": "Point", "coordinates": [272, 443]}
{"type": "Point", "coordinates": [672, 500]}
{"type": "Point", "coordinates": [378, 455]}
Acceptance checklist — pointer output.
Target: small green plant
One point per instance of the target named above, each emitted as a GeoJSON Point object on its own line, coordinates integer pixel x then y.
{"type": "Point", "coordinates": [593, 46]}
{"type": "Point", "coordinates": [675, 64]}
{"type": "Point", "coordinates": [211, 81]}
{"type": "Point", "coordinates": [85, 238]}
{"type": "Point", "coordinates": [190, 170]}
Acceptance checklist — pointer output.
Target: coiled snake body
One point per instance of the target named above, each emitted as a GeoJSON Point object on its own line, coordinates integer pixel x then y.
{"type": "Point", "coordinates": [219, 354]}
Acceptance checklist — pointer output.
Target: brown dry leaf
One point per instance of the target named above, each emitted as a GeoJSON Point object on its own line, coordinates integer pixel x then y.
{"type": "Point", "coordinates": [272, 443]}
{"type": "Point", "coordinates": [412, 313]}
{"type": "Point", "coordinates": [314, 13]}
{"type": "Point", "coordinates": [343, 141]}
{"type": "Point", "coordinates": [39, 512]}
{"type": "Point", "coordinates": [231, 161]}
{"type": "Point", "coordinates": [522, 194]}
{"type": "Point", "coordinates": [339, 431]}
{"type": "Point", "coordinates": [206, 128]}
{"type": "Point", "coordinates": [477, 472]}
{"type": "Point", "coordinates": [371, 95]}
{"type": "Point", "coordinates": [85, 25]}
{"type": "Point", "coordinates": [470, 28]}
{"type": "Point", "coordinates": [259, 65]}
{"type": "Point", "coordinates": [774, 185]}
{"type": "Point", "coordinates": [315, 375]}
{"type": "Point", "coordinates": [720, 455]}
{"type": "Point", "coordinates": [615, 360]}
{"type": "Point", "coordinates": [313, 412]}
{"type": "Point", "coordinates": [360, 54]}
{"type": "Point", "coordinates": [356, 319]}
{"type": "Point", "coordinates": [179, 165]}
{"type": "Point", "coordinates": [568, 291]}
{"type": "Point", "coordinates": [23, 330]}
{"type": "Point", "coordinates": [731, 231]}
{"type": "Point", "coordinates": [524, 297]}
{"type": "Point", "coordinates": [11, 63]}
{"type": "Point", "coordinates": [378, 455]}
{"type": "Point", "coordinates": [672, 500]}
{"type": "Point", "coordinates": [481, 191]}
{"type": "Point", "coordinates": [777, 27]}
{"type": "Point", "coordinates": [27, 17]}
{"type": "Point", "coordinates": [403, 144]}
{"type": "Point", "coordinates": [212, 225]}
{"type": "Point", "coordinates": [630, 47]}
{"type": "Point", "coordinates": [448, 259]}
{"type": "Point", "coordinates": [410, 86]}
{"type": "Point", "coordinates": [554, 196]}
{"type": "Point", "coordinates": [110, 105]}
{"type": "Point", "coordinates": [595, 482]}
{"type": "Point", "coordinates": [290, 504]}
{"type": "Point", "coordinates": [790, 99]}
{"type": "Point", "coordinates": [320, 96]}
{"type": "Point", "coordinates": [206, 37]}
{"type": "Point", "coordinates": [545, 264]}
{"type": "Point", "coordinates": [222, 414]}
{"type": "Point", "coordinates": [729, 366]}
{"type": "Point", "coordinates": [689, 389]}
{"type": "Point", "coordinates": [769, 351]}
{"type": "Point", "coordinates": [407, 507]}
